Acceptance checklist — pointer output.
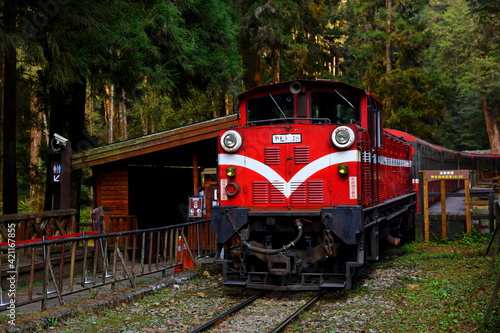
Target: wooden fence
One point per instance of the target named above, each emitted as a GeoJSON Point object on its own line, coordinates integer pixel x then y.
{"type": "Point", "coordinates": [468, 213]}
{"type": "Point", "coordinates": [58, 266]}
{"type": "Point", "coordinates": [36, 225]}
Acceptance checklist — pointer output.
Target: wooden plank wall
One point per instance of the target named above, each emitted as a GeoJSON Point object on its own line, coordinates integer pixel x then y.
{"type": "Point", "coordinates": [112, 192]}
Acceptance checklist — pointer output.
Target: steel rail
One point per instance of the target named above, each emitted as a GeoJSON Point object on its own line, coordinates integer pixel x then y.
{"type": "Point", "coordinates": [296, 313]}
{"type": "Point", "coordinates": [228, 312]}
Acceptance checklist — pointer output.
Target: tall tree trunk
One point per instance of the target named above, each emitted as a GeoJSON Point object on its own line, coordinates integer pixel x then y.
{"type": "Point", "coordinates": [151, 124]}
{"type": "Point", "coordinates": [76, 130]}
{"type": "Point", "coordinates": [89, 109]}
{"type": "Point", "coordinates": [388, 58]}
{"type": "Point", "coordinates": [10, 205]}
{"type": "Point", "coordinates": [256, 70]}
{"type": "Point", "coordinates": [111, 113]}
{"type": "Point", "coordinates": [492, 125]}
{"type": "Point", "coordinates": [108, 111]}
{"type": "Point", "coordinates": [251, 77]}
{"type": "Point", "coordinates": [144, 121]}
{"type": "Point", "coordinates": [276, 65]}
{"type": "Point", "coordinates": [1, 140]}
{"type": "Point", "coordinates": [122, 116]}
{"type": "Point", "coordinates": [36, 132]}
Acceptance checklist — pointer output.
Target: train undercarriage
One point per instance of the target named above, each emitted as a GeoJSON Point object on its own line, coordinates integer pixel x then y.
{"type": "Point", "coordinates": [306, 250]}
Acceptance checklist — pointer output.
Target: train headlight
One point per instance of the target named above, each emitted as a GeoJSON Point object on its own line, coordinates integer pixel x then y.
{"type": "Point", "coordinates": [231, 171]}
{"type": "Point", "coordinates": [232, 189]}
{"type": "Point", "coordinates": [231, 141]}
{"type": "Point", "coordinates": [343, 169]}
{"type": "Point", "coordinates": [343, 137]}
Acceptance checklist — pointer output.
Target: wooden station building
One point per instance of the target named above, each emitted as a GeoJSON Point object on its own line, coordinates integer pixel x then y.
{"type": "Point", "coordinates": [146, 182]}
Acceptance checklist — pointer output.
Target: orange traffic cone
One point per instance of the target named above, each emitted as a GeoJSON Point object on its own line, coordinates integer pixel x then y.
{"type": "Point", "coordinates": [187, 258]}
{"type": "Point", "coordinates": [179, 255]}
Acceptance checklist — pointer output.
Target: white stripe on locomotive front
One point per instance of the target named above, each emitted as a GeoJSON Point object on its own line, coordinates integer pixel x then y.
{"type": "Point", "coordinates": [303, 174]}
{"type": "Point", "coordinates": [300, 177]}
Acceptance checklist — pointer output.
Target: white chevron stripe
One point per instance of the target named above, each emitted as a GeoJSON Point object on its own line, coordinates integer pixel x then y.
{"type": "Point", "coordinates": [300, 177]}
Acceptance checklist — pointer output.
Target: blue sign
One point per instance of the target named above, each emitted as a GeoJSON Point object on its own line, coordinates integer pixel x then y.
{"type": "Point", "coordinates": [56, 169]}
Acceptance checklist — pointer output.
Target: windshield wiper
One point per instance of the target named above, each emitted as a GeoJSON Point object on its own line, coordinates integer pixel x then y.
{"type": "Point", "coordinates": [345, 99]}
{"type": "Point", "coordinates": [284, 116]}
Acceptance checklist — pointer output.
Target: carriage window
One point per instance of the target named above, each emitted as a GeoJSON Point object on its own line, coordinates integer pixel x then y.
{"type": "Point", "coordinates": [274, 106]}
{"type": "Point", "coordinates": [340, 108]}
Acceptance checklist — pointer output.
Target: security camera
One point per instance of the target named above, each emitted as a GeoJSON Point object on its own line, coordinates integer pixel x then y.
{"type": "Point", "coordinates": [60, 140]}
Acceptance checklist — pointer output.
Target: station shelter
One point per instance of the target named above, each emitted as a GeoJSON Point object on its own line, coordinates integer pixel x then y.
{"type": "Point", "coordinates": [146, 182]}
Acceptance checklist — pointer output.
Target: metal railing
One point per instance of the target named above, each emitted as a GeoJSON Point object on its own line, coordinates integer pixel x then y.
{"type": "Point", "coordinates": [97, 259]}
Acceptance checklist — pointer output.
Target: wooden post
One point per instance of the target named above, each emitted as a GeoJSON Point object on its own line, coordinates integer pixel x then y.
{"type": "Point", "coordinates": [443, 176]}
{"type": "Point", "coordinates": [444, 233]}
{"type": "Point", "coordinates": [468, 218]}
{"type": "Point", "coordinates": [425, 199]}
{"type": "Point", "coordinates": [65, 183]}
{"type": "Point", "coordinates": [72, 265]}
{"type": "Point", "coordinates": [196, 175]}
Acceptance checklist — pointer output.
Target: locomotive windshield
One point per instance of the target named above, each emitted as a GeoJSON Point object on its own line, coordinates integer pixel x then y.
{"type": "Point", "coordinates": [340, 108]}
{"type": "Point", "coordinates": [325, 106]}
{"type": "Point", "coordinates": [270, 107]}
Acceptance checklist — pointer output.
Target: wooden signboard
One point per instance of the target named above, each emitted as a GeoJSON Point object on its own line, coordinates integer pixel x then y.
{"type": "Point", "coordinates": [446, 174]}
{"type": "Point", "coordinates": [443, 176]}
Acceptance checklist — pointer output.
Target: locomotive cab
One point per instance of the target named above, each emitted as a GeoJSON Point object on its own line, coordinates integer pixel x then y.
{"type": "Point", "coordinates": [324, 107]}
{"type": "Point", "coordinates": [299, 181]}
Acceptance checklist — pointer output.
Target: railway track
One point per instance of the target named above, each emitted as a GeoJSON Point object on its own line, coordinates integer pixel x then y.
{"type": "Point", "coordinates": [279, 328]}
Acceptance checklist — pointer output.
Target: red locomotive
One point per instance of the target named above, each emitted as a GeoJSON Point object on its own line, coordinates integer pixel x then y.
{"type": "Point", "coordinates": [308, 184]}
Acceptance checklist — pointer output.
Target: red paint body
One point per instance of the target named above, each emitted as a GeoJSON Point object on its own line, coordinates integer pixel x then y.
{"type": "Point", "coordinates": [308, 184]}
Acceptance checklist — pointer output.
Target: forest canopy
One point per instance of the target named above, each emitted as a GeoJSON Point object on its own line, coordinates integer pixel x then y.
{"type": "Point", "coordinates": [99, 72]}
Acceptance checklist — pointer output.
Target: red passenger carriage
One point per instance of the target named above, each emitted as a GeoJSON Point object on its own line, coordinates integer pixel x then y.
{"type": "Point", "coordinates": [428, 156]}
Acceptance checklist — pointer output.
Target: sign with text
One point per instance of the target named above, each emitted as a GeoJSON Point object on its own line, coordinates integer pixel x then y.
{"type": "Point", "coordinates": [446, 174]}
{"type": "Point", "coordinates": [287, 138]}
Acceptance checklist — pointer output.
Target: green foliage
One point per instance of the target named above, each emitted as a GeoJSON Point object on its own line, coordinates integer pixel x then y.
{"type": "Point", "coordinates": [52, 321]}
{"type": "Point", "coordinates": [434, 64]}
{"type": "Point", "coordinates": [465, 58]}
{"type": "Point", "coordinates": [386, 47]}
{"type": "Point", "coordinates": [285, 40]}
{"type": "Point", "coordinates": [397, 87]}
{"type": "Point", "coordinates": [155, 54]}
{"type": "Point", "coordinates": [474, 240]}
{"type": "Point", "coordinates": [484, 6]}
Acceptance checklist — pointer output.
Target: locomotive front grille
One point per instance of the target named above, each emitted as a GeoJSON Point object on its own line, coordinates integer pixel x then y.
{"type": "Point", "coordinates": [315, 192]}
{"type": "Point", "coordinates": [300, 193]}
{"type": "Point", "coordinates": [310, 192]}
{"type": "Point", "coordinates": [272, 155]}
{"type": "Point", "coordinates": [266, 193]}
{"type": "Point", "coordinates": [260, 192]}
{"type": "Point", "coordinates": [301, 154]}
{"type": "Point", "coordinates": [275, 194]}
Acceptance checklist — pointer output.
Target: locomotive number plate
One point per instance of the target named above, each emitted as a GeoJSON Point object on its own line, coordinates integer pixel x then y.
{"type": "Point", "coordinates": [287, 138]}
